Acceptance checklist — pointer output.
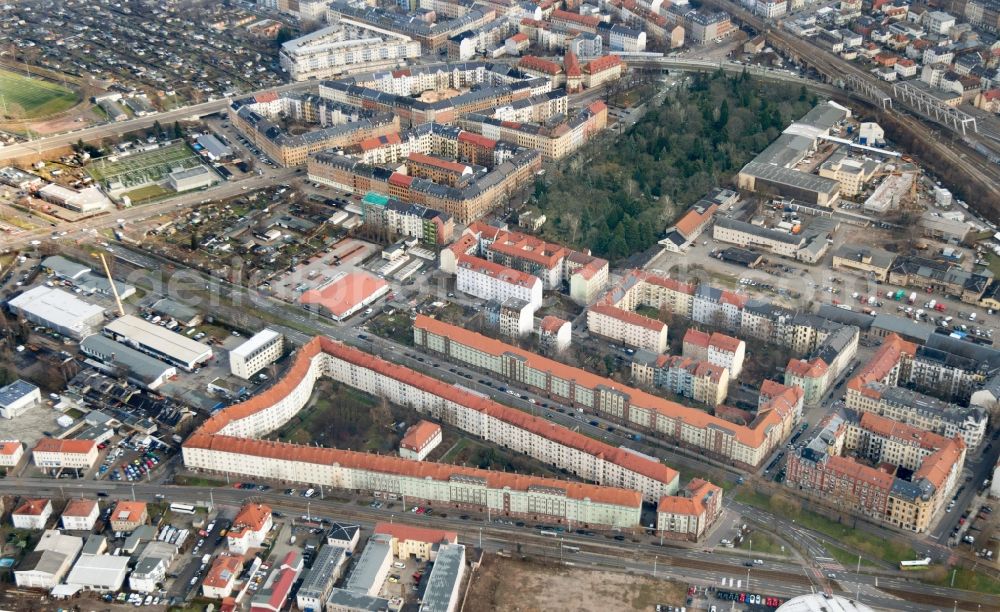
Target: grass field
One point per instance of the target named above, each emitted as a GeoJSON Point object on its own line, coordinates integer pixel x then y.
{"type": "Point", "coordinates": [140, 169]}
{"type": "Point", "coordinates": [148, 192]}
{"type": "Point", "coordinates": [29, 98]}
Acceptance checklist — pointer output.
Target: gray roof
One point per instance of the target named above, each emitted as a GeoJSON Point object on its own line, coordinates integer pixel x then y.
{"type": "Point", "coordinates": [324, 571]}
{"type": "Point", "coordinates": [64, 268]}
{"type": "Point", "coordinates": [15, 391]}
{"type": "Point", "coordinates": [441, 584]}
{"type": "Point", "coordinates": [342, 531]}
{"type": "Point", "coordinates": [344, 599]}
{"type": "Point", "coordinates": [762, 232]}
{"type": "Point", "coordinates": [367, 567]}
{"type": "Point", "coordinates": [863, 254]}
{"type": "Point", "coordinates": [847, 317]}
{"type": "Point", "coordinates": [46, 561]}
{"type": "Point", "coordinates": [780, 175]}
{"type": "Point", "coordinates": [93, 545]}
{"type": "Point", "coordinates": [903, 327]}
{"type": "Point", "coordinates": [174, 309]}
{"type": "Point", "coordinates": [140, 366]}
{"type": "Point", "coordinates": [214, 146]}
{"type": "Point", "coordinates": [931, 406]}
{"type": "Point", "coordinates": [987, 356]}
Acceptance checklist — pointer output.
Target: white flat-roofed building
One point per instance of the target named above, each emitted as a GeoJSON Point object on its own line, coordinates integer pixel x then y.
{"type": "Point", "coordinates": [264, 348]}
{"type": "Point", "coordinates": [343, 47]}
{"type": "Point", "coordinates": [87, 200]}
{"type": "Point", "coordinates": [101, 573]}
{"type": "Point", "coordinates": [44, 567]}
{"type": "Point", "coordinates": [492, 281]}
{"type": "Point", "coordinates": [372, 567]}
{"type": "Point", "coordinates": [17, 398]}
{"type": "Point", "coordinates": [158, 342]}
{"type": "Point", "coordinates": [191, 178]}
{"type": "Point", "coordinates": [58, 310]}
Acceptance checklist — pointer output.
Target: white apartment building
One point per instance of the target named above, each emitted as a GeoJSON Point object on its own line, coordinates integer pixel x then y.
{"type": "Point", "coordinates": [771, 9]}
{"type": "Point", "coordinates": [80, 515]}
{"type": "Point", "coordinates": [55, 454]}
{"type": "Point", "coordinates": [259, 351]}
{"type": "Point", "coordinates": [627, 327]}
{"type": "Point", "coordinates": [250, 528]}
{"type": "Point", "coordinates": [32, 514]}
{"type": "Point", "coordinates": [727, 352]}
{"type": "Point", "coordinates": [11, 452]}
{"type": "Point", "coordinates": [938, 22]}
{"type": "Point", "coordinates": [555, 333]}
{"type": "Point", "coordinates": [343, 47]}
{"type": "Point", "coordinates": [420, 440]}
{"type": "Point", "coordinates": [491, 281]}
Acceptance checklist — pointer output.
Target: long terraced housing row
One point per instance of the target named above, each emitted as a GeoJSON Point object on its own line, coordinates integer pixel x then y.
{"type": "Point", "coordinates": [229, 442]}
{"type": "Point", "coordinates": [743, 445]}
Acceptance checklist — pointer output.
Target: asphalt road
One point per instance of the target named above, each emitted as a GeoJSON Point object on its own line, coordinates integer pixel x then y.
{"type": "Point", "coordinates": [698, 567]}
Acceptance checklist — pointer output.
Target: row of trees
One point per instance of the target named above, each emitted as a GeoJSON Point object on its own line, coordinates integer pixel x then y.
{"type": "Point", "coordinates": [616, 197]}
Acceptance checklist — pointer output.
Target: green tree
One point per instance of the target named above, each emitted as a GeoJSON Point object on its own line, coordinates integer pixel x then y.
{"type": "Point", "coordinates": [178, 130]}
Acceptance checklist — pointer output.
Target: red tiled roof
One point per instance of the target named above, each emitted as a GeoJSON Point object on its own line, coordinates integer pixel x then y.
{"type": "Point", "coordinates": [418, 435]}
{"type": "Point", "coordinates": [572, 65]}
{"type": "Point", "coordinates": [69, 446]}
{"type": "Point", "coordinates": [497, 271]}
{"type": "Point", "coordinates": [32, 507]}
{"type": "Point", "coordinates": [267, 96]}
{"type": "Point", "coordinates": [340, 296]}
{"type": "Point", "coordinates": [80, 507]}
{"type": "Point", "coordinates": [400, 180]}
{"type": "Point", "coordinates": [885, 359]}
{"type": "Point", "coordinates": [530, 62]}
{"type": "Point", "coordinates": [696, 337]}
{"type": "Point", "coordinates": [587, 20]}
{"type": "Point", "coordinates": [603, 63]}
{"type": "Point", "coordinates": [9, 447]}
{"type": "Point", "coordinates": [415, 534]}
{"type": "Point", "coordinates": [129, 511]}
{"type": "Point", "coordinates": [477, 139]}
{"type": "Point", "coordinates": [689, 223]}
{"type": "Point", "coordinates": [694, 417]}
{"type": "Point", "coordinates": [376, 142]}
{"type": "Point", "coordinates": [437, 162]}
{"type": "Point", "coordinates": [520, 37]}
{"type": "Point", "coordinates": [516, 244]}
{"type": "Point", "coordinates": [628, 316]}
{"type": "Point", "coordinates": [465, 243]}
{"type": "Point", "coordinates": [551, 324]}
{"type": "Point", "coordinates": [807, 369]}
{"type": "Point", "coordinates": [206, 436]}
{"type": "Point", "coordinates": [224, 569]}
{"type": "Point", "coordinates": [251, 518]}
{"type": "Point", "coordinates": [724, 342]}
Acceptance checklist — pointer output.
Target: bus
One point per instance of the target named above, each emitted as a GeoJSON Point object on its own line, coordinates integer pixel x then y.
{"type": "Point", "coordinates": [182, 508]}
{"type": "Point", "coordinates": [916, 564]}
{"type": "Point", "coordinates": [548, 532]}
{"type": "Point", "coordinates": [572, 549]}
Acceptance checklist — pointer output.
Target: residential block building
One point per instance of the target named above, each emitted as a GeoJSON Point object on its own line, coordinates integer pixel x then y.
{"type": "Point", "coordinates": [488, 280]}
{"type": "Point", "coordinates": [744, 445]}
{"type": "Point", "coordinates": [65, 454]}
{"type": "Point", "coordinates": [700, 380]}
{"type": "Point", "coordinates": [420, 440]}
{"type": "Point", "coordinates": [343, 47]}
{"type": "Point", "coordinates": [250, 528]}
{"type": "Point", "coordinates": [262, 349]}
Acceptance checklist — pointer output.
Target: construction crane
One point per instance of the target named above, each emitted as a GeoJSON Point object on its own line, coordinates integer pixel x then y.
{"type": "Point", "coordinates": [114, 287]}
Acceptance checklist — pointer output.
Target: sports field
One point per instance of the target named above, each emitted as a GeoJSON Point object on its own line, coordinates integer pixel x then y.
{"type": "Point", "coordinates": [140, 169]}
{"type": "Point", "coordinates": [31, 98]}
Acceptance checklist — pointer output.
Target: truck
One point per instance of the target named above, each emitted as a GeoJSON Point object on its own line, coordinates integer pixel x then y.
{"type": "Point", "coordinates": [913, 297]}
{"type": "Point", "coordinates": [205, 559]}
{"type": "Point", "coordinates": [931, 305]}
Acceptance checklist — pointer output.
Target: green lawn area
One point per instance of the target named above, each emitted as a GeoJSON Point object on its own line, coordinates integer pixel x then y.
{"type": "Point", "coordinates": [147, 193]}
{"type": "Point", "coordinates": [30, 98]}
{"type": "Point", "coordinates": [761, 542]}
{"type": "Point", "coordinates": [970, 581]}
{"type": "Point", "coordinates": [847, 559]}
{"type": "Point", "coordinates": [198, 481]}
{"type": "Point", "coordinates": [993, 262]}
{"type": "Point", "coordinates": [871, 545]}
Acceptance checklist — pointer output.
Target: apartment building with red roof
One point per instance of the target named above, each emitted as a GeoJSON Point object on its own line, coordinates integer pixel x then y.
{"type": "Point", "coordinates": [602, 70]}
{"type": "Point", "coordinates": [221, 577]}
{"type": "Point", "coordinates": [419, 440]}
{"type": "Point", "coordinates": [11, 452]}
{"type": "Point", "coordinates": [129, 516]}
{"type": "Point", "coordinates": [32, 514]}
{"type": "Point", "coordinates": [80, 515]}
{"type": "Point", "coordinates": [225, 443]}
{"type": "Point", "coordinates": [905, 477]}
{"type": "Point", "coordinates": [690, 515]}
{"type": "Point", "coordinates": [627, 328]}
{"type": "Point", "coordinates": [747, 446]}
{"type": "Point", "coordinates": [59, 454]}
{"type": "Point", "coordinates": [250, 528]}
{"type": "Point", "coordinates": [488, 280]}
{"type": "Point", "coordinates": [554, 334]}
{"type": "Point", "coordinates": [418, 542]}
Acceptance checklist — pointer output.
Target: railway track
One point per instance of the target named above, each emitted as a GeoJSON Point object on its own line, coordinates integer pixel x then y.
{"type": "Point", "coordinates": [982, 190]}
